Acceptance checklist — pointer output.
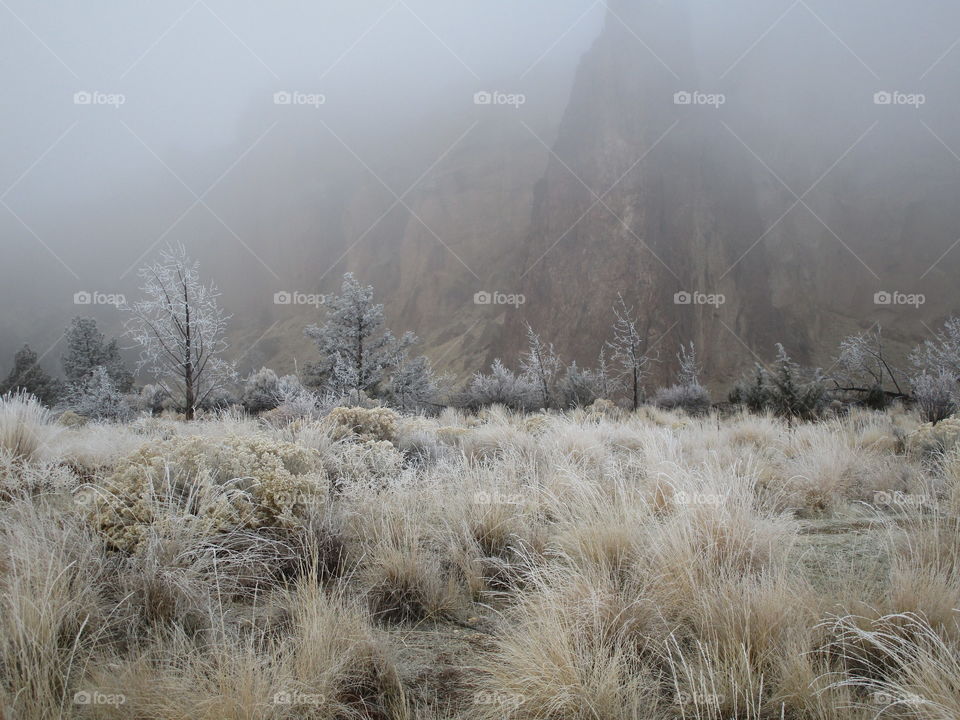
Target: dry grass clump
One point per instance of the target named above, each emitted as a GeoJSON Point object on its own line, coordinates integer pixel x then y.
{"type": "Point", "coordinates": [26, 427]}
{"type": "Point", "coordinates": [330, 663]}
{"type": "Point", "coordinates": [925, 575]}
{"type": "Point", "coordinates": [899, 667]}
{"type": "Point", "coordinates": [50, 608]}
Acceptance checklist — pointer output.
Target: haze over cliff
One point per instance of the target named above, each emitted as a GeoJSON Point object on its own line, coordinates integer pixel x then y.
{"type": "Point", "coordinates": [744, 173]}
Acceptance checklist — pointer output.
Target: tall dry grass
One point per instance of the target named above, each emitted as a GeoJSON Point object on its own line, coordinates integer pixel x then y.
{"type": "Point", "coordinates": [593, 564]}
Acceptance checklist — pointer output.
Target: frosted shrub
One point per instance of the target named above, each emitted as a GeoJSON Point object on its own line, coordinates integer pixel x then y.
{"type": "Point", "coordinates": [212, 486]}
{"type": "Point", "coordinates": [693, 399]}
{"type": "Point", "coordinates": [501, 387]}
{"type": "Point", "coordinates": [375, 424]}
{"type": "Point", "coordinates": [936, 396]}
{"type": "Point", "coordinates": [942, 437]}
{"type": "Point", "coordinates": [367, 464]}
{"type": "Point", "coordinates": [98, 398]}
{"type": "Point", "coordinates": [261, 391]}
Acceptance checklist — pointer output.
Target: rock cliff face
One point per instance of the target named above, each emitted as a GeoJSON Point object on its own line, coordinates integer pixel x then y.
{"type": "Point", "coordinates": [781, 186]}
{"type": "Point", "coordinates": [644, 198]}
{"type": "Point", "coordinates": [647, 197]}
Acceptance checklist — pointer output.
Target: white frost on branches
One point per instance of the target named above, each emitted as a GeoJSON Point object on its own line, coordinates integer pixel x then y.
{"type": "Point", "coordinates": [180, 329]}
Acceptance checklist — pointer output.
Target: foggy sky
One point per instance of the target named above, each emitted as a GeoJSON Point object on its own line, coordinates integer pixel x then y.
{"type": "Point", "coordinates": [90, 192]}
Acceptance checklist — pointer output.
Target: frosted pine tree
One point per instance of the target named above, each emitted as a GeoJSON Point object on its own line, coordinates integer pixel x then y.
{"type": "Point", "coordinates": [180, 329]}
{"type": "Point", "coordinates": [87, 350]}
{"type": "Point", "coordinates": [411, 383]}
{"type": "Point", "coordinates": [353, 343]}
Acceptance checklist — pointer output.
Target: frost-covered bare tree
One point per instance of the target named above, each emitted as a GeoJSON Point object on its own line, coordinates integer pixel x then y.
{"type": "Point", "coordinates": [627, 347]}
{"type": "Point", "coordinates": [863, 367]}
{"type": "Point", "coordinates": [607, 385]}
{"type": "Point", "coordinates": [690, 369]}
{"type": "Point", "coordinates": [354, 346]}
{"type": "Point", "coordinates": [942, 354]}
{"type": "Point", "coordinates": [541, 365]}
{"type": "Point", "coordinates": [180, 328]}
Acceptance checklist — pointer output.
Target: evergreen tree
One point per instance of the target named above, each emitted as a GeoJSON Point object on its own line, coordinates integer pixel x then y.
{"type": "Point", "coordinates": [27, 375]}
{"type": "Point", "coordinates": [792, 395]}
{"type": "Point", "coordinates": [87, 350]}
{"type": "Point", "coordinates": [411, 384]}
{"type": "Point", "coordinates": [355, 347]}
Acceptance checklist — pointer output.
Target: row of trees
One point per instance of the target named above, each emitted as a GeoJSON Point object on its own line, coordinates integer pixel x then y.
{"type": "Point", "coordinates": [180, 330]}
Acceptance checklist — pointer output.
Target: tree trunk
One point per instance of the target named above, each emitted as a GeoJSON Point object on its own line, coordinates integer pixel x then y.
{"type": "Point", "coordinates": [190, 398]}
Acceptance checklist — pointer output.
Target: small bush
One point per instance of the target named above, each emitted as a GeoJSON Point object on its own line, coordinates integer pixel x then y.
{"type": "Point", "coordinates": [215, 487]}
{"type": "Point", "coordinates": [692, 399]}
{"type": "Point", "coordinates": [752, 392]}
{"type": "Point", "coordinates": [501, 387]}
{"type": "Point", "coordinates": [373, 425]}
{"type": "Point", "coordinates": [369, 465]}
{"type": "Point", "coordinates": [936, 396]}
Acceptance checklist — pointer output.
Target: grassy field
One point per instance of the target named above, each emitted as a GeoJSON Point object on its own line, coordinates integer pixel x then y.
{"type": "Point", "coordinates": [591, 564]}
